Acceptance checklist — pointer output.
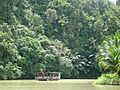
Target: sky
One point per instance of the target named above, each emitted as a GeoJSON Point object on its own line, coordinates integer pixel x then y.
{"type": "Point", "coordinates": [113, 1]}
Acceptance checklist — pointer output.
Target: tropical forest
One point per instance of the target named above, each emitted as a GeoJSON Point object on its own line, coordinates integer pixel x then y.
{"type": "Point", "coordinates": [78, 38]}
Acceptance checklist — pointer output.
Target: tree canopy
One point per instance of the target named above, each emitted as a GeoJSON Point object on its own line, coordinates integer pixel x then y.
{"type": "Point", "coordinates": [54, 35]}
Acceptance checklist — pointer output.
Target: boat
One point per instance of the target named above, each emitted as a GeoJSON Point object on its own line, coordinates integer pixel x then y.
{"type": "Point", "coordinates": [48, 76]}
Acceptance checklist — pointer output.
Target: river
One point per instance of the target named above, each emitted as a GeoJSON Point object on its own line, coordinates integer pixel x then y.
{"type": "Point", "coordinates": [54, 85]}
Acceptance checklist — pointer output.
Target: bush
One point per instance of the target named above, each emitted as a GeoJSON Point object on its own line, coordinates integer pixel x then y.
{"type": "Point", "coordinates": [10, 71]}
{"type": "Point", "coordinates": [108, 79]}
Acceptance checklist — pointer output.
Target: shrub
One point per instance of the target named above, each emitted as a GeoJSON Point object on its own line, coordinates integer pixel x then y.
{"type": "Point", "coordinates": [108, 79]}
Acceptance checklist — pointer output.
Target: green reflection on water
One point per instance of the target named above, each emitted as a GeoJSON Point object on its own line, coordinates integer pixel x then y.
{"type": "Point", "coordinates": [53, 85]}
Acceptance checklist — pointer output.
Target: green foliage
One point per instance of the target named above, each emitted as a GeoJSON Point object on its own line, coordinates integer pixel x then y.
{"type": "Point", "coordinates": [58, 59]}
{"type": "Point", "coordinates": [81, 25]}
{"type": "Point", "coordinates": [51, 15]}
{"type": "Point", "coordinates": [118, 2]}
{"type": "Point", "coordinates": [8, 55]}
{"type": "Point", "coordinates": [108, 79]}
{"type": "Point", "coordinates": [32, 53]}
{"type": "Point", "coordinates": [109, 54]}
{"type": "Point", "coordinates": [55, 35]}
{"type": "Point", "coordinates": [84, 67]}
{"type": "Point", "coordinates": [11, 71]}
{"type": "Point", "coordinates": [109, 60]}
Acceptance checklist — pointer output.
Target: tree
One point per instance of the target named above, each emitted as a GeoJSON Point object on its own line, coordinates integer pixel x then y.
{"type": "Point", "coordinates": [9, 56]}
{"type": "Point", "coordinates": [58, 59]}
{"type": "Point", "coordinates": [55, 35]}
{"type": "Point", "coordinates": [32, 55]}
{"type": "Point", "coordinates": [109, 54]}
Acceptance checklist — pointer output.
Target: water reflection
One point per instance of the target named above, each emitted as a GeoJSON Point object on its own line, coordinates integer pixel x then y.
{"type": "Point", "coordinates": [53, 85]}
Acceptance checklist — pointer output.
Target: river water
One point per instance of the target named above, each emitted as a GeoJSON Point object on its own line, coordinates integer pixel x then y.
{"type": "Point", "coordinates": [54, 85]}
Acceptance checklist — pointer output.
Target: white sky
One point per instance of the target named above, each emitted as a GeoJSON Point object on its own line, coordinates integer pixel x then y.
{"type": "Point", "coordinates": [114, 1]}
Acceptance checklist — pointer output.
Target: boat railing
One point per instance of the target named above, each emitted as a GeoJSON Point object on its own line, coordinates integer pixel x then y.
{"type": "Point", "coordinates": [48, 76]}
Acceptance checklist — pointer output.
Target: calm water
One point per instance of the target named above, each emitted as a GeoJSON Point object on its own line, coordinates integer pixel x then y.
{"type": "Point", "coordinates": [53, 85]}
